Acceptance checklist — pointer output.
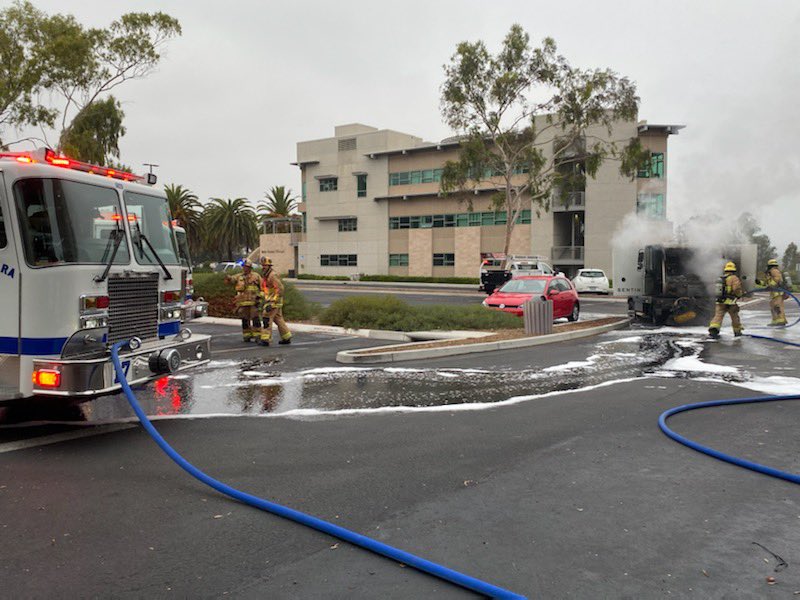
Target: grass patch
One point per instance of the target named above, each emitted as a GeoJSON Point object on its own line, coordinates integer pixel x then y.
{"type": "Point", "coordinates": [389, 312]}
{"type": "Point", "coordinates": [222, 303]}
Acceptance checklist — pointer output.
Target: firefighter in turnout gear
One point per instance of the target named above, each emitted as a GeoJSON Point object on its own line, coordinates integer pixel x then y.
{"type": "Point", "coordinates": [774, 283]}
{"type": "Point", "coordinates": [729, 290]}
{"type": "Point", "coordinates": [248, 288]}
{"type": "Point", "coordinates": [272, 304]}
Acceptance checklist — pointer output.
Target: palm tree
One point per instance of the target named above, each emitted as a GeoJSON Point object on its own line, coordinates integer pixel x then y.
{"type": "Point", "coordinates": [186, 209]}
{"type": "Point", "coordinates": [279, 203]}
{"type": "Point", "coordinates": [229, 225]}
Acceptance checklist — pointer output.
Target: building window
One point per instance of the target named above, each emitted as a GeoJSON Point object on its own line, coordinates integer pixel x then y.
{"type": "Point", "coordinates": [655, 168]}
{"type": "Point", "coordinates": [305, 221]}
{"type": "Point", "coordinates": [348, 224]}
{"type": "Point", "coordinates": [651, 206]}
{"type": "Point", "coordinates": [304, 191]}
{"type": "Point", "coordinates": [338, 260]}
{"type": "Point", "coordinates": [473, 219]}
{"type": "Point", "coordinates": [413, 177]}
{"type": "Point", "coordinates": [362, 185]}
{"type": "Point", "coordinates": [398, 260]}
{"type": "Point", "coordinates": [444, 260]}
{"type": "Point", "coordinates": [329, 184]}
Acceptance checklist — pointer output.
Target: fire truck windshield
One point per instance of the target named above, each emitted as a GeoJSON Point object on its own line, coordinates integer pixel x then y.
{"type": "Point", "coordinates": [149, 216]}
{"type": "Point", "coordinates": [65, 222]}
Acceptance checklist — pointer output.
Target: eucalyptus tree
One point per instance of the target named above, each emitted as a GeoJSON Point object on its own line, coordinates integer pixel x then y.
{"type": "Point", "coordinates": [528, 123]}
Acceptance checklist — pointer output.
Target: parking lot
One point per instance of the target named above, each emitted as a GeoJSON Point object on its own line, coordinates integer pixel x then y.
{"type": "Point", "coordinates": [542, 471]}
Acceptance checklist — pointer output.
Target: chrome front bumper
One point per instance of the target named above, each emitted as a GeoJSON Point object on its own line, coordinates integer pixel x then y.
{"type": "Point", "coordinates": [96, 377]}
{"type": "Point", "coordinates": [192, 309]}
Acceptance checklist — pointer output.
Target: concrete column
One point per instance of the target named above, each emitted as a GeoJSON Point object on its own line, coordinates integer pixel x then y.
{"type": "Point", "coordinates": [420, 252]}
{"type": "Point", "coordinates": [468, 251]}
{"type": "Point", "coordinates": [520, 240]}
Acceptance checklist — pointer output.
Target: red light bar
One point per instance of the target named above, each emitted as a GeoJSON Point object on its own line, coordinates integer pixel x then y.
{"type": "Point", "coordinates": [22, 157]}
{"type": "Point", "coordinates": [50, 157]}
{"type": "Point", "coordinates": [62, 161]}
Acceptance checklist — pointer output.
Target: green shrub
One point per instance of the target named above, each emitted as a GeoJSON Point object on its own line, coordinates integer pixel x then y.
{"type": "Point", "coordinates": [413, 279]}
{"type": "Point", "coordinates": [295, 305]}
{"type": "Point", "coordinates": [221, 298]}
{"type": "Point", "coordinates": [389, 312]}
{"type": "Point", "coordinates": [324, 277]}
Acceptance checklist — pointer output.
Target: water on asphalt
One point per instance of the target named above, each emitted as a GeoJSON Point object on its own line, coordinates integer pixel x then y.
{"type": "Point", "coordinates": [265, 387]}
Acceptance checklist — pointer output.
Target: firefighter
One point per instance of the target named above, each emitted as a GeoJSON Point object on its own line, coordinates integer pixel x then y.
{"type": "Point", "coordinates": [729, 290]}
{"type": "Point", "coordinates": [774, 283]}
{"type": "Point", "coordinates": [272, 304]}
{"type": "Point", "coordinates": [248, 287]}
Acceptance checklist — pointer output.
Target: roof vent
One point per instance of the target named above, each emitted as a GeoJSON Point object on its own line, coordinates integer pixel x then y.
{"type": "Point", "coordinates": [347, 144]}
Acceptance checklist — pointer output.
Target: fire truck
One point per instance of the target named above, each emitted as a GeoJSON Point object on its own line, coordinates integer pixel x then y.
{"type": "Point", "coordinates": [88, 257]}
{"type": "Point", "coordinates": [191, 308]}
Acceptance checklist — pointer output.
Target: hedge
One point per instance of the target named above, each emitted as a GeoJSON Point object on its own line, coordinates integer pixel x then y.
{"type": "Point", "coordinates": [389, 312]}
{"type": "Point", "coordinates": [412, 279]}
{"type": "Point", "coordinates": [221, 298]}
{"type": "Point", "coordinates": [323, 277]}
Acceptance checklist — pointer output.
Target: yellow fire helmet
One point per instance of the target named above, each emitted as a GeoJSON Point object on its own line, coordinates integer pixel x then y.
{"type": "Point", "coordinates": [247, 263]}
{"type": "Point", "coordinates": [730, 267]}
{"type": "Point", "coordinates": [266, 261]}
{"type": "Point", "coordinates": [772, 262]}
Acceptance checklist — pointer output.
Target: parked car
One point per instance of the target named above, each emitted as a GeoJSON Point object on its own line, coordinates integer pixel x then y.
{"type": "Point", "coordinates": [518, 291]}
{"type": "Point", "coordinates": [225, 267]}
{"type": "Point", "coordinates": [591, 280]}
{"type": "Point", "coordinates": [511, 267]}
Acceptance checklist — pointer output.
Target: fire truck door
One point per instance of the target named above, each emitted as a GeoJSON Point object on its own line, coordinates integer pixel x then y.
{"type": "Point", "coordinates": [9, 299]}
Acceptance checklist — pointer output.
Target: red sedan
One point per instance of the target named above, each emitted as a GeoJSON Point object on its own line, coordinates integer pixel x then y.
{"type": "Point", "coordinates": [518, 291]}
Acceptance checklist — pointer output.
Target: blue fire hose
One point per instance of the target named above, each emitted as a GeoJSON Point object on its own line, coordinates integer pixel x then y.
{"type": "Point", "coordinates": [346, 535]}
{"type": "Point", "coordinates": [740, 462]}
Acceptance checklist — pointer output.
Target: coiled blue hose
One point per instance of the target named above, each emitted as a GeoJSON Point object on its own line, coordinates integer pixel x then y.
{"type": "Point", "coordinates": [357, 539]}
{"type": "Point", "coordinates": [739, 462]}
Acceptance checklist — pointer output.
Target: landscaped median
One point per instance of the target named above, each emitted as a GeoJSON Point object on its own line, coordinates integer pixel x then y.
{"type": "Point", "coordinates": [480, 342]}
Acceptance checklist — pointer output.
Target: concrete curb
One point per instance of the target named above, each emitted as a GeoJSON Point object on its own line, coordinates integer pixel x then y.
{"type": "Point", "coordinates": [378, 334]}
{"type": "Point", "coordinates": [407, 352]}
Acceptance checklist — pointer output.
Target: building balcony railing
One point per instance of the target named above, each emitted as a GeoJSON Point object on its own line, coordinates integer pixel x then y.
{"type": "Point", "coordinates": [572, 201]}
{"type": "Point", "coordinates": [567, 254]}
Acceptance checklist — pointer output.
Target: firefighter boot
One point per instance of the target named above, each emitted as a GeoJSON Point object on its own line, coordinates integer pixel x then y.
{"type": "Point", "coordinates": [713, 333]}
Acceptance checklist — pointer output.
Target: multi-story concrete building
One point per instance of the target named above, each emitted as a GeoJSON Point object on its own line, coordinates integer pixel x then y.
{"type": "Point", "coordinates": [372, 204]}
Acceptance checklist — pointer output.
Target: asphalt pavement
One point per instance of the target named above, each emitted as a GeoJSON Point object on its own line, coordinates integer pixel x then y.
{"type": "Point", "coordinates": [554, 482]}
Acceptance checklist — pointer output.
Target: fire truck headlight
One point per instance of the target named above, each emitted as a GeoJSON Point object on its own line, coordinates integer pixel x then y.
{"type": "Point", "coordinates": [94, 321]}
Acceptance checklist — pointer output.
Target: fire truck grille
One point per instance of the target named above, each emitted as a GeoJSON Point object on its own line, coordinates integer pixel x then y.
{"type": "Point", "coordinates": [133, 307]}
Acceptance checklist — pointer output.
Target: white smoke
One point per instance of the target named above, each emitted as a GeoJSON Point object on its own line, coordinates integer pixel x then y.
{"type": "Point", "coordinates": [713, 241]}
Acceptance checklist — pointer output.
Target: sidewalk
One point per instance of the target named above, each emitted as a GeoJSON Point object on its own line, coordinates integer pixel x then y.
{"type": "Point", "coordinates": [403, 352]}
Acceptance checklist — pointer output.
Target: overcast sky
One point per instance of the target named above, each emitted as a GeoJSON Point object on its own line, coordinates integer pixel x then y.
{"type": "Point", "coordinates": [248, 80]}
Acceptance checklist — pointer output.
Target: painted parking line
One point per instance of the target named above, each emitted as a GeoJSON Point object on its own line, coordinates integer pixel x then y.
{"type": "Point", "coordinates": [62, 437]}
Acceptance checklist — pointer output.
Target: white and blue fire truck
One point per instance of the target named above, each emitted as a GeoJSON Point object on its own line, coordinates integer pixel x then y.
{"type": "Point", "coordinates": [88, 257]}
